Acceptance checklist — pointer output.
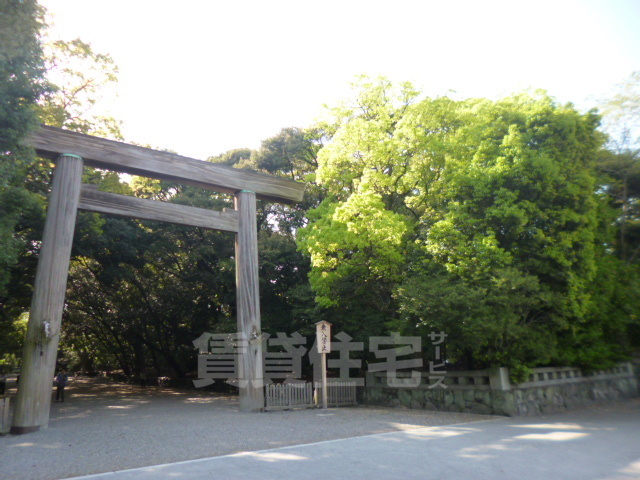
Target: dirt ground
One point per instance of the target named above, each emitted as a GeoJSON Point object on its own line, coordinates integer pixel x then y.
{"type": "Point", "coordinates": [105, 426]}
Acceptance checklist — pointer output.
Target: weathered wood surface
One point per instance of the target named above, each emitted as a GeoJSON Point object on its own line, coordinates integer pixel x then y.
{"type": "Point", "coordinates": [287, 395]}
{"type": "Point", "coordinates": [251, 369]}
{"type": "Point", "coordinates": [93, 200]}
{"type": "Point", "coordinates": [291, 395]}
{"type": "Point", "coordinates": [43, 332]}
{"type": "Point", "coordinates": [111, 155]}
{"type": "Point", "coordinates": [339, 393]}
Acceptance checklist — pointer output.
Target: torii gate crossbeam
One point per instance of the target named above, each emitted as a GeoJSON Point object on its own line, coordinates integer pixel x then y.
{"type": "Point", "coordinates": [73, 151]}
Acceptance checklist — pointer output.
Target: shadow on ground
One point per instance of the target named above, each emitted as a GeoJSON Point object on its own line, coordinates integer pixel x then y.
{"type": "Point", "coordinates": [105, 426]}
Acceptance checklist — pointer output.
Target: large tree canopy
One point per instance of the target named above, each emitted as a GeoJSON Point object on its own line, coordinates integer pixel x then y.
{"type": "Point", "coordinates": [476, 217]}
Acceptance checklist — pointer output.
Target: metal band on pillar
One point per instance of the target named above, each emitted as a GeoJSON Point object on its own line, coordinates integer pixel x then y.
{"type": "Point", "coordinates": [43, 332]}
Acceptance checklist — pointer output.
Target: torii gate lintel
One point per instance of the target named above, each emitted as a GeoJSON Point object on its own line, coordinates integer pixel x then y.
{"type": "Point", "coordinates": [68, 195]}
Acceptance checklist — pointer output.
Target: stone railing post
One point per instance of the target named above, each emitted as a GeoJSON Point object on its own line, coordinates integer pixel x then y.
{"type": "Point", "coordinates": [499, 379]}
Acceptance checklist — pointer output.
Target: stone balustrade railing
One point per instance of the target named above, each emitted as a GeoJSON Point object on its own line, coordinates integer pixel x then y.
{"type": "Point", "coordinates": [490, 391]}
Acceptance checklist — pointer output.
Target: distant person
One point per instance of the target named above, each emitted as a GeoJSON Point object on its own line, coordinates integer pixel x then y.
{"type": "Point", "coordinates": [61, 382]}
{"type": "Point", "coordinates": [146, 375]}
{"type": "Point", "coordinates": [3, 384]}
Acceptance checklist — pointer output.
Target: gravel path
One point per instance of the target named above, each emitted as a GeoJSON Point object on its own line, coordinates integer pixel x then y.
{"type": "Point", "coordinates": [107, 426]}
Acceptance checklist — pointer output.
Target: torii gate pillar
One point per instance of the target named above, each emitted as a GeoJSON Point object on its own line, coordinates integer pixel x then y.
{"type": "Point", "coordinates": [250, 366]}
{"type": "Point", "coordinates": [43, 332]}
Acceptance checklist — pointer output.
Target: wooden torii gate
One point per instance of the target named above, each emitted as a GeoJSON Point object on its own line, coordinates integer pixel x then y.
{"type": "Point", "coordinates": [71, 151]}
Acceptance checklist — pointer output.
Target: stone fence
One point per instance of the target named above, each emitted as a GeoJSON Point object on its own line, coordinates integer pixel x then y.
{"type": "Point", "coordinates": [491, 392]}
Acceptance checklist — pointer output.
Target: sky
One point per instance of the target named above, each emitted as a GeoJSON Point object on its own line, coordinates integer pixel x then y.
{"type": "Point", "coordinates": [201, 77]}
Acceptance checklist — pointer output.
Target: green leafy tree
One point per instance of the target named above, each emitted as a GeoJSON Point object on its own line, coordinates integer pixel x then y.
{"type": "Point", "coordinates": [81, 78]}
{"type": "Point", "coordinates": [60, 86]}
{"type": "Point", "coordinates": [619, 164]}
{"type": "Point", "coordinates": [293, 155]}
{"type": "Point", "coordinates": [621, 112]}
{"type": "Point", "coordinates": [620, 180]}
{"type": "Point", "coordinates": [22, 84]}
{"type": "Point", "coordinates": [517, 227]}
{"type": "Point", "coordinates": [357, 235]}
{"type": "Point", "coordinates": [495, 217]}
{"type": "Point", "coordinates": [619, 183]}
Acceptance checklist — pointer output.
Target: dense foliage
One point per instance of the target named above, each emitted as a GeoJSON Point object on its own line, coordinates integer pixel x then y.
{"type": "Point", "coordinates": [510, 225]}
{"type": "Point", "coordinates": [483, 219]}
{"type": "Point", "coordinates": [22, 84]}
